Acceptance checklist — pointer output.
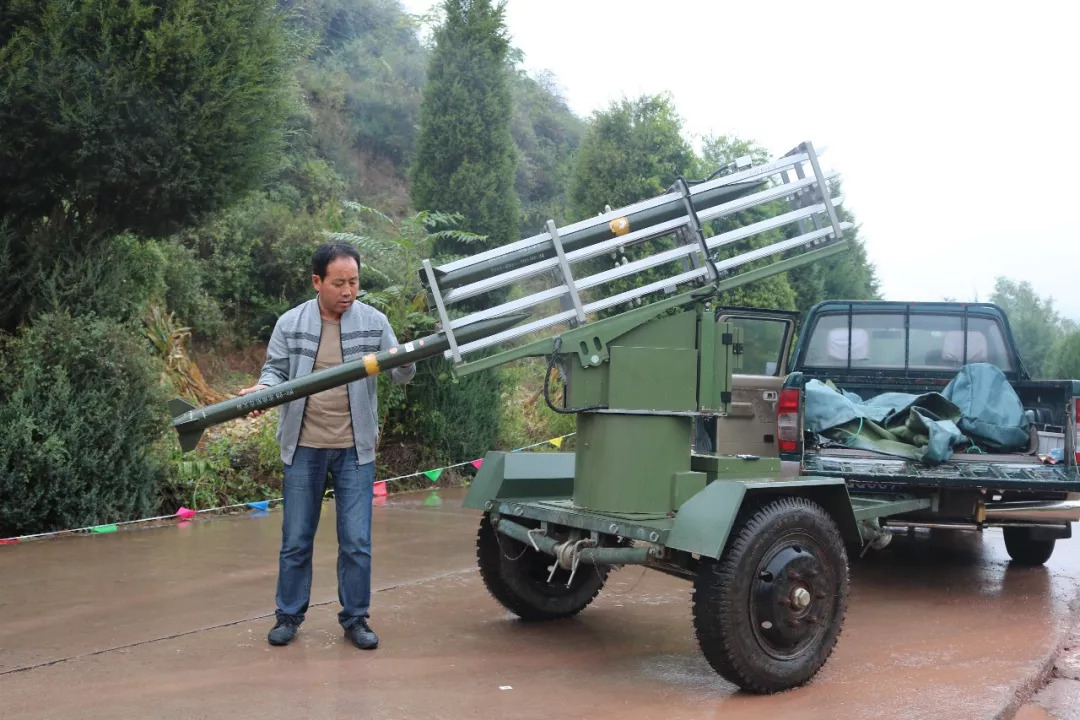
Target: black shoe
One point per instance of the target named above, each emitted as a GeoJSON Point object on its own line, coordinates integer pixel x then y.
{"type": "Point", "coordinates": [360, 635]}
{"type": "Point", "coordinates": [283, 632]}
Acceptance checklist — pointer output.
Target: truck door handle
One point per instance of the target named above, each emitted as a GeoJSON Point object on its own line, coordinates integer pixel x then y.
{"type": "Point", "coordinates": [770, 395]}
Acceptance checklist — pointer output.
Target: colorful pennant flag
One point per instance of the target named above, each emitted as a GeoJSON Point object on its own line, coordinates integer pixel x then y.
{"type": "Point", "coordinates": [259, 504]}
{"type": "Point", "coordinates": [433, 475]}
{"type": "Point", "coordinates": [477, 463]}
{"type": "Point", "coordinates": [9, 541]}
{"type": "Point", "coordinates": [557, 442]}
{"type": "Point", "coordinates": [104, 529]}
{"type": "Point", "coordinates": [380, 489]}
{"type": "Point", "coordinates": [185, 513]}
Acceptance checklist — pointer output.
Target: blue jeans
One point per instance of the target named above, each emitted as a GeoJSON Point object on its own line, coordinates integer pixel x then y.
{"type": "Point", "coordinates": [305, 481]}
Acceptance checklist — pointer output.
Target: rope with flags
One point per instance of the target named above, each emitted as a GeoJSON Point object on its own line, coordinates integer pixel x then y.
{"type": "Point", "coordinates": [186, 514]}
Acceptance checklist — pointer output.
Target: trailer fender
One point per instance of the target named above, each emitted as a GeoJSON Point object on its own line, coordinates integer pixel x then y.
{"type": "Point", "coordinates": [518, 475]}
{"type": "Point", "coordinates": [704, 522]}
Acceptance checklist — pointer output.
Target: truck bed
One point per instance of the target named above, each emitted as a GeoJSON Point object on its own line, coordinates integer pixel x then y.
{"type": "Point", "coordinates": [992, 472]}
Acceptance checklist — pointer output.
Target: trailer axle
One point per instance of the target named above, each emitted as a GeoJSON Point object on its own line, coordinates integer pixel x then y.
{"type": "Point", "coordinates": [570, 552]}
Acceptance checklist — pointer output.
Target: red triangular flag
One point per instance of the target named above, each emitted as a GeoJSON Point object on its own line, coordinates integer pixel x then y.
{"type": "Point", "coordinates": [477, 463]}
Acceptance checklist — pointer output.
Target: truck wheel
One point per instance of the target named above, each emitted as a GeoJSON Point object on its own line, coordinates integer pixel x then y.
{"type": "Point", "coordinates": [769, 611]}
{"type": "Point", "coordinates": [1026, 550]}
{"type": "Point", "coordinates": [517, 576]}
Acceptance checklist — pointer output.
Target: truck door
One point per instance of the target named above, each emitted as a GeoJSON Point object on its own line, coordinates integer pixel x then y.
{"type": "Point", "coordinates": [750, 426]}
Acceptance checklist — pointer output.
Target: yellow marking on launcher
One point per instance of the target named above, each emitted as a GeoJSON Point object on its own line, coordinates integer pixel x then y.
{"type": "Point", "coordinates": [371, 364]}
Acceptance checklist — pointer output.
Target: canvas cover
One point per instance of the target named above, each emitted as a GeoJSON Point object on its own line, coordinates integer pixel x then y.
{"type": "Point", "coordinates": [978, 408]}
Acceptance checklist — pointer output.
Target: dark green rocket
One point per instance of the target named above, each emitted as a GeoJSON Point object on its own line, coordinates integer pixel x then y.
{"type": "Point", "coordinates": [190, 421]}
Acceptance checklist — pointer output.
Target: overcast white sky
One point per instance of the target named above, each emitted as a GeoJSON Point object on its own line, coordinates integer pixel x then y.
{"type": "Point", "coordinates": [954, 124]}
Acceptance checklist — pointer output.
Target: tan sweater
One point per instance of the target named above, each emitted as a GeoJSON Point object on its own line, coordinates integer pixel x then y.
{"type": "Point", "coordinates": [327, 420]}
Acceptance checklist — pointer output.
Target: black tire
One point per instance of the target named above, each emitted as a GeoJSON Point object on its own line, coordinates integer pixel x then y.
{"type": "Point", "coordinates": [1026, 550]}
{"type": "Point", "coordinates": [747, 613]}
{"type": "Point", "coordinates": [516, 575]}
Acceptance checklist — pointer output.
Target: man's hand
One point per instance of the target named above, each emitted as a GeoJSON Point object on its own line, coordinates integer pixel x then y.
{"type": "Point", "coordinates": [248, 390]}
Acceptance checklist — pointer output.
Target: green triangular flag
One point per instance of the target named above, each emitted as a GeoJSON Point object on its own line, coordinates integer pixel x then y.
{"type": "Point", "coordinates": [433, 475]}
{"type": "Point", "coordinates": [104, 529]}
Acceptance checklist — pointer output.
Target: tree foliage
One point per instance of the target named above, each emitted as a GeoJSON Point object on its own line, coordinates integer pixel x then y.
{"type": "Point", "coordinates": [465, 154]}
{"type": "Point", "coordinates": [140, 115]}
{"type": "Point", "coordinates": [363, 84]}
{"type": "Point", "coordinates": [1064, 361]}
{"type": "Point", "coordinates": [631, 151]}
{"type": "Point", "coordinates": [81, 419]}
{"type": "Point", "coordinates": [546, 135]}
{"type": "Point", "coordinates": [133, 116]}
{"type": "Point", "coordinates": [1036, 324]}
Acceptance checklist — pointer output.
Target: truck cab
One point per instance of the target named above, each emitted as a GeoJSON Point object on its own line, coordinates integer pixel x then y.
{"type": "Point", "coordinates": [872, 348]}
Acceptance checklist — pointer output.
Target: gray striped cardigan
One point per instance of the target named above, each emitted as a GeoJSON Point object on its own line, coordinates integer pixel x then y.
{"type": "Point", "coordinates": [291, 354]}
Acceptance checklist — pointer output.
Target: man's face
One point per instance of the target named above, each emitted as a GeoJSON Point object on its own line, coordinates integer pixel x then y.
{"type": "Point", "coordinates": [338, 289]}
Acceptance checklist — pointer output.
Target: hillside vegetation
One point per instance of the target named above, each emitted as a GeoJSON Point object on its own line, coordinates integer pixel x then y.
{"type": "Point", "coordinates": [167, 169]}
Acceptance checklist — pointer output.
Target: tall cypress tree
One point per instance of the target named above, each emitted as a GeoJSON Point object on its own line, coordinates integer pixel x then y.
{"type": "Point", "coordinates": [465, 164]}
{"type": "Point", "coordinates": [465, 160]}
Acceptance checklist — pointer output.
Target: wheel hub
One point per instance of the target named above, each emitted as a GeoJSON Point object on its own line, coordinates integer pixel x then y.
{"type": "Point", "coordinates": [789, 600]}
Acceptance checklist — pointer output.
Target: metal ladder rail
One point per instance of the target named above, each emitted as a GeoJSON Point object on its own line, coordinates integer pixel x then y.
{"type": "Point", "coordinates": [569, 288]}
{"type": "Point", "coordinates": [542, 240]}
{"type": "Point", "coordinates": [661, 258]}
{"type": "Point", "coordinates": [636, 237]}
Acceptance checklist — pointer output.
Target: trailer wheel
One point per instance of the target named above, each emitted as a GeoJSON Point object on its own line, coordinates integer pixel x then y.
{"type": "Point", "coordinates": [517, 576]}
{"type": "Point", "coordinates": [768, 613]}
{"type": "Point", "coordinates": [1026, 550]}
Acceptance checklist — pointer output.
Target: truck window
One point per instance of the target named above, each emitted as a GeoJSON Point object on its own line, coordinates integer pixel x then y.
{"type": "Point", "coordinates": [877, 340]}
{"type": "Point", "coordinates": [996, 352]}
{"type": "Point", "coordinates": [937, 342]}
{"type": "Point", "coordinates": [932, 342]}
{"type": "Point", "coordinates": [929, 334]}
{"type": "Point", "coordinates": [763, 341]}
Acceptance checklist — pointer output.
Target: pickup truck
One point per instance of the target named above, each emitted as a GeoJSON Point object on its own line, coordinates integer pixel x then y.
{"type": "Point", "coordinates": [875, 347]}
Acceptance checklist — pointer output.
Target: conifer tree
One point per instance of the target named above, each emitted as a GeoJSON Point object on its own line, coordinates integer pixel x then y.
{"type": "Point", "coordinates": [465, 158]}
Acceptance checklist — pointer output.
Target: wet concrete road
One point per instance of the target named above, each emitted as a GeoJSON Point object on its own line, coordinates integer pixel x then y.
{"type": "Point", "coordinates": [171, 623]}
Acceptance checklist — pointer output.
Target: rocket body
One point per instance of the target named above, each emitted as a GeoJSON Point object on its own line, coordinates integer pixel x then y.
{"type": "Point", "coordinates": [190, 421]}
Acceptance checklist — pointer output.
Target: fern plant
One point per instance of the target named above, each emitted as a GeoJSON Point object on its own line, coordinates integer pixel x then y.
{"type": "Point", "coordinates": [391, 253]}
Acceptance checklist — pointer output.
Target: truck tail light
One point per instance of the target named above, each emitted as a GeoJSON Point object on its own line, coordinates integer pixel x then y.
{"type": "Point", "coordinates": [787, 420]}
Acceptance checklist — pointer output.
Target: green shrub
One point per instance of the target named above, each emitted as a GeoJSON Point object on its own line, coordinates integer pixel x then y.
{"type": "Point", "coordinates": [456, 419]}
{"type": "Point", "coordinates": [113, 280]}
{"type": "Point", "coordinates": [256, 260]}
{"type": "Point", "coordinates": [81, 417]}
{"type": "Point", "coordinates": [526, 418]}
{"type": "Point", "coordinates": [238, 462]}
{"type": "Point", "coordinates": [185, 291]}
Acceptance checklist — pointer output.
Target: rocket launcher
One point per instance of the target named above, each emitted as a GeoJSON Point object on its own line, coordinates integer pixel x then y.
{"type": "Point", "coordinates": [190, 421]}
{"type": "Point", "coordinates": [795, 224]}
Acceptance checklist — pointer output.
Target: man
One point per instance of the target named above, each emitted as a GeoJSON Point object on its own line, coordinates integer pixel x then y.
{"type": "Point", "coordinates": [330, 432]}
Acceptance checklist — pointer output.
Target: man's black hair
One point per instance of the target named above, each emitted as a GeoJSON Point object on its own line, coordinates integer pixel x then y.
{"type": "Point", "coordinates": [328, 253]}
